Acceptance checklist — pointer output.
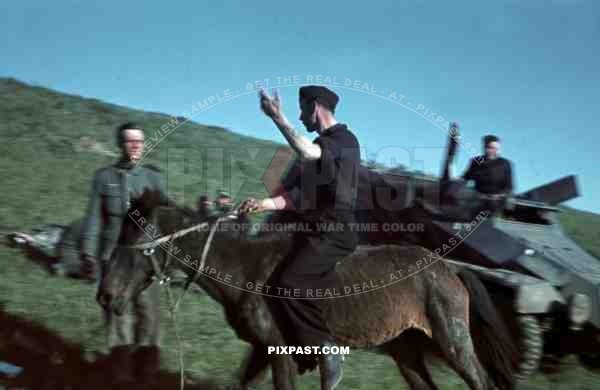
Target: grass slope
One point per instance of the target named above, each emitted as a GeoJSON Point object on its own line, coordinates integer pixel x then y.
{"type": "Point", "coordinates": [46, 175]}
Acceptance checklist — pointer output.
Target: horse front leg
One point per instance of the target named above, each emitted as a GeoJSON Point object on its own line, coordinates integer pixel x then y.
{"type": "Point", "coordinates": [259, 328]}
{"type": "Point", "coordinates": [254, 367]}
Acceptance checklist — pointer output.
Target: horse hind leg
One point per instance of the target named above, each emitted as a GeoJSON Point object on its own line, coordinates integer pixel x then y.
{"type": "Point", "coordinates": [408, 353]}
{"type": "Point", "coordinates": [451, 332]}
{"type": "Point", "coordinates": [283, 373]}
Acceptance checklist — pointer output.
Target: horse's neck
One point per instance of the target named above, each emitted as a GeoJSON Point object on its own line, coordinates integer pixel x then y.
{"type": "Point", "coordinates": [231, 264]}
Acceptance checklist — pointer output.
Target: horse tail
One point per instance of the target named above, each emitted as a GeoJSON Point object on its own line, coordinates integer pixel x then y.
{"type": "Point", "coordinates": [493, 344]}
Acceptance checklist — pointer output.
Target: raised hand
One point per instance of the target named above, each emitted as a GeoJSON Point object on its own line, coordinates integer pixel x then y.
{"type": "Point", "coordinates": [271, 106]}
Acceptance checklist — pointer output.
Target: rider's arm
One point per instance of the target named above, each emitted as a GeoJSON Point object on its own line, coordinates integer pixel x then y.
{"type": "Point", "coordinates": [281, 202]}
{"type": "Point", "coordinates": [302, 145]}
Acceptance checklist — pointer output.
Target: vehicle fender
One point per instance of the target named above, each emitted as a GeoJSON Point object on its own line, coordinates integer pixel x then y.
{"type": "Point", "coordinates": [532, 295]}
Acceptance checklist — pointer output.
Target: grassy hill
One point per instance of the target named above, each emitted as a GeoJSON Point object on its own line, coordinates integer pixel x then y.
{"type": "Point", "coordinates": [583, 227]}
{"type": "Point", "coordinates": [53, 142]}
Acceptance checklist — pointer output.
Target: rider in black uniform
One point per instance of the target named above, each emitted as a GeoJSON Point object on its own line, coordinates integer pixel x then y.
{"type": "Point", "coordinates": [328, 187]}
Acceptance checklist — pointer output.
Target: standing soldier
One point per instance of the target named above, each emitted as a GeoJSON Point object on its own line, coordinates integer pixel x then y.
{"type": "Point", "coordinates": [134, 336]}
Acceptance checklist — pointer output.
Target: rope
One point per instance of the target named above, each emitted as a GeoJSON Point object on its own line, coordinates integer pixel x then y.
{"type": "Point", "coordinates": [173, 315]}
{"type": "Point", "coordinates": [202, 260]}
{"type": "Point", "coordinates": [173, 307]}
{"type": "Point", "coordinates": [180, 233]}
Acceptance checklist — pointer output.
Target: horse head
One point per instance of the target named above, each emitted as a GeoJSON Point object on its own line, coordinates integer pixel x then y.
{"type": "Point", "coordinates": [130, 269]}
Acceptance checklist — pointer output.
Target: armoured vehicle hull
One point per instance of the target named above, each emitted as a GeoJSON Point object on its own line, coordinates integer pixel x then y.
{"type": "Point", "coordinates": [547, 286]}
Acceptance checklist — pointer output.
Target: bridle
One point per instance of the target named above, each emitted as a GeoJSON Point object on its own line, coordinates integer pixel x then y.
{"type": "Point", "coordinates": [161, 275]}
{"type": "Point", "coordinates": [163, 279]}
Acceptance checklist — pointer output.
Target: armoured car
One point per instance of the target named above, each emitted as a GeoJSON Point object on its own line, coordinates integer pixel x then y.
{"type": "Point", "coordinates": [545, 284]}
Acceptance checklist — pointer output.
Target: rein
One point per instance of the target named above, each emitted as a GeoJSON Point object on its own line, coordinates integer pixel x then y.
{"type": "Point", "coordinates": [149, 249]}
{"type": "Point", "coordinates": [180, 233]}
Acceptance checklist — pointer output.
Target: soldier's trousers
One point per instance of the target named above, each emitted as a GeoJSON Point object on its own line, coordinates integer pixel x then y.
{"type": "Point", "coordinates": [309, 267]}
{"type": "Point", "coordinates": [139, 325]}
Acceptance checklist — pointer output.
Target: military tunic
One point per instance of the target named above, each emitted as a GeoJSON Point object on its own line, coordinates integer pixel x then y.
{"type": "Point", "coordinates": [491, 176]}
{"type": "Point", "coordinates": [113, 189]}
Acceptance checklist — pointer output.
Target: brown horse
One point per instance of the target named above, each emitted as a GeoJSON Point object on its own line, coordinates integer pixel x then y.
{"type": "Point", "coordinates": [383, 301]}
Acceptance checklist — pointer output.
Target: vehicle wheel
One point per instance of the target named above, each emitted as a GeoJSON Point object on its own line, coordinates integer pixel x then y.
{"type": "Point", "coordinates": [591, 361]}
{"type": "Point", "coordinates": [531, 344]}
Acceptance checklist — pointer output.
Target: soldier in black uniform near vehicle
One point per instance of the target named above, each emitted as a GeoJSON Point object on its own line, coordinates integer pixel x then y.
{"type": "Point", "coordinates": [328, 186]}
{"type": "Point", "coordinates": [492, 175]}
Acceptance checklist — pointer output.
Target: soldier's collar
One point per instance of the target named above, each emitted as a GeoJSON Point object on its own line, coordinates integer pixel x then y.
{"type": "Point", "coordinates": [127, 165]}
{"type": "Point", "coordinates": [333, 129]}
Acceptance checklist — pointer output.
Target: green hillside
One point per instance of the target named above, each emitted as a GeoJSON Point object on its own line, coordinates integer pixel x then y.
{"type": "Point", "coordinates": [53, 142]}
{"type": "Point", "coordinates": [583, 227]}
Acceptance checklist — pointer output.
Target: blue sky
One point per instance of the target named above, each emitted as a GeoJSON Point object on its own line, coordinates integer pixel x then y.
{"type": "Point", "coordinates": [529, 73]}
